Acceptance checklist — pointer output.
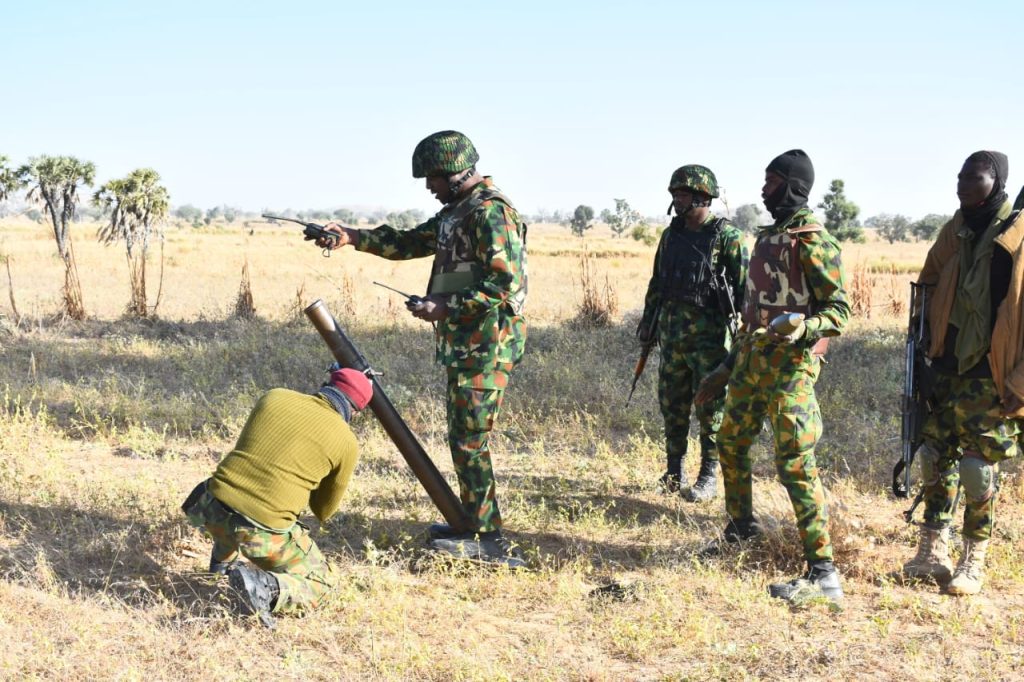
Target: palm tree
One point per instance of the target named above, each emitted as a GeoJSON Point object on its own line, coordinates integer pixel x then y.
{"type": "Point", "coordinates": [10, 181]}
{"type": "Point", "coordinates": [138, 205]}
{"type": "Point", "coordinates": [55, 181]}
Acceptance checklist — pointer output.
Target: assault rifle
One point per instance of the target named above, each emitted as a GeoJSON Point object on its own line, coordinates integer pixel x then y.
{"type": "Point", "coordinates": [917, 390]}
{"type": "Point", "coordinates": [347, 355]}
{"type": "Point", "coordinates": [645, 350]}
{"type": "Point", "coordinates": [311, 230]}
{"type": "Point", "coordinates": [726, 301]}
{"type": "Point", "coordinates": [724, 292]}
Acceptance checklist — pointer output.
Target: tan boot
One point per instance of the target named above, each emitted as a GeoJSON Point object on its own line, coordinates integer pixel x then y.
{"type": "Point", "coordinates": [970, 571]}
{"type": "Point", "coordinates": [932, 561]}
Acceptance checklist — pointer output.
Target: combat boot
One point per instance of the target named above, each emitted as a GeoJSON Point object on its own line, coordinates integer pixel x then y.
{"type": "Point", "coordinates": [671, 481]}
{"type": "Point", "coordinates": [932, 561]}
{"type": "Point", "coordinates": [256, 592]}
{"type": "Point", "coordinates": [490, 547]}
{"type": "Point", "coordinates": [221, 567]}
{"type": "Point", "coordinates": [970, 570]}
{"type": "Point", "coordinates": [736, 531]}
{"type": "Point", "coordinates": [821, 580]}
{"type": "Point", "coordinates": [439, 531]}
{"type": "Point", "coordinates": [706, 486]}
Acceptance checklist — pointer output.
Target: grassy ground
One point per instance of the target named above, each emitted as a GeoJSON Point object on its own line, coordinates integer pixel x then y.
{"type": "Point", "coordinates": [107, 424]}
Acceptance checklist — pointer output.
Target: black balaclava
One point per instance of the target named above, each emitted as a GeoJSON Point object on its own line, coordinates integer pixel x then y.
{"type": "Point", "coordinates": [979, 217]}
{"type": "Point", "coordinates": [796, 169]}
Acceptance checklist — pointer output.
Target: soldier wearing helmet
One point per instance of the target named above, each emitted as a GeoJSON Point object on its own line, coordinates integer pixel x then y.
{"type": "Point", "coordinates": [475, 299]}
{"type": "Point", "coordinates": [698, 256]}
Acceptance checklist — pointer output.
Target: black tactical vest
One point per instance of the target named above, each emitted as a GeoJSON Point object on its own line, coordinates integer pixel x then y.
{"type": "Point", "coordinates": [687, 258]}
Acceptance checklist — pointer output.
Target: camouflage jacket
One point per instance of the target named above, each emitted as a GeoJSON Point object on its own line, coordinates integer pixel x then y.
{"type": "Point", "coordinates": [481, 331]}
{"type": "Point", "coordinates": [822, 266]}
{"type": "Point", "coordinates": [728, 252]}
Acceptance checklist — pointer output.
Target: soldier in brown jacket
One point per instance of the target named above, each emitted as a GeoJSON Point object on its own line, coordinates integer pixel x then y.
{"type": "Point", "coordinates": [976, 267]}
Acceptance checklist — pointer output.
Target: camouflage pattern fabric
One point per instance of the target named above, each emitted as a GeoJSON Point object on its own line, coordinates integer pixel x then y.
{"type": "Point", "coordinates": [474, 401]}
{"type": "Point", "coordinates": [444, 153]}
{"type": "Point", "coordinates": [695, 178]}
{"type": "Point", "coordinates": [967, 417]}
{"type": "Point", "coordinates": [481, 339]}
{"type": "Point", "coordinates": [693, 342]}
{"type": "Point", "coordinates": [481, 330]}
{"type": "Point", "coordinates": [303, 574]}
{"type": "Point", "coordinates": [820, 263]}
{"type": "Point", "coordinates": [777, 381]}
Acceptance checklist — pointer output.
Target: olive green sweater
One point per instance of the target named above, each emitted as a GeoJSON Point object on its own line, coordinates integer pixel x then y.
{"type": "Point", "coordinates": [294, 450]}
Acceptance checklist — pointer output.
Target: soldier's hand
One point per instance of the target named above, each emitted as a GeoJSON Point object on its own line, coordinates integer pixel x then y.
{"type": "Point", "coordinates": [346, 235]}
{"type": "Point", "coordinates": [799, 328]}
{"type": "Point", "coordinates": [1011, 403]}
{"type": "Point", "coordinates": [430, 308]}
{"type": "Point", "coordinates": [712, 386]}
{"type": "Point", "coordinates": [643, 332]}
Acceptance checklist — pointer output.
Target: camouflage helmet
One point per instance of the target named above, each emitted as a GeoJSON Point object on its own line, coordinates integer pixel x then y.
{"type": "Point", "coordinates": [444, 153]}
{"type": "Point", "coordinates": [696, 179]}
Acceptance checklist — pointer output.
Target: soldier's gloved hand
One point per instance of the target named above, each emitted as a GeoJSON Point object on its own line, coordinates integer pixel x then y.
{"type": "Point", "coordinates": [431, 308]}
{"type": "Point", "coordinates": [712, 386]}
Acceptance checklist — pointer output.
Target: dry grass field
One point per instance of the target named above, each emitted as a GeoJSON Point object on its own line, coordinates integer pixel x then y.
{"type": "Point", "coordinates": [105, 425]}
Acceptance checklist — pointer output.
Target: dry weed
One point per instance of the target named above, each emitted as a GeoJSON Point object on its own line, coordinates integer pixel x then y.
{"type": "Point", "coordinates": [244, 307]}
{"type": "Point", "coordinates": [599, 304]}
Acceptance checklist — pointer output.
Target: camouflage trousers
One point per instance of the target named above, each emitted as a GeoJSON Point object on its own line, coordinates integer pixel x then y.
{"type": "Point", "coordinates": [303, 574]}
{"type": "Point", "coordinates": [967, 419]}
{"type": "Point", "coordinates": [685, 361]}
{"type": "Point", "coordinates": [777, 382]}
{"type": "Point", "coordinates": [474, 400]}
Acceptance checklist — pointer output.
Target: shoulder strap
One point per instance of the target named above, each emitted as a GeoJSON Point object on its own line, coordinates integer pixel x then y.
{"type": "Point", "coordinates": [802, 229]}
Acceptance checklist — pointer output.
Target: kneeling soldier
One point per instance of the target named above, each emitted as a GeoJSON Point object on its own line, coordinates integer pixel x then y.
{"type": "Point", "coordinates": [295, 450]}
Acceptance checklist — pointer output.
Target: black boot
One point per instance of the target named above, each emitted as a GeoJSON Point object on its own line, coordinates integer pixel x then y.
{"type": "Point", "coordinates": [439, 531]}
{"type": "Point", "coordinates": [821, 581]}
{"type": "Point", "coordinates": [256, 592]}
{"type": "Point", "coordinates": [736, 531]}
{"type": "Point", "coordinates": [671, 481]}
{"type": "Point", "coordinates": [221, 567]}
{"type": "Point", "coordinates": [706, 486]}
{"type": "Point", "coordinates": [490, 547]}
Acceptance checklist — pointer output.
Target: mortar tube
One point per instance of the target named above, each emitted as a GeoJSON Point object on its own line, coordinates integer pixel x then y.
{"type": "Point", "coordinates": [347, 355]}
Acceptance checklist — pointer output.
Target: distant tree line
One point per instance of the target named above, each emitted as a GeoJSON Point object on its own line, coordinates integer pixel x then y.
{"type": "Point", "coordinates": [132, 210]}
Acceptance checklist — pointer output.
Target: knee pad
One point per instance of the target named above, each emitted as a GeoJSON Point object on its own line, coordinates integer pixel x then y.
{"type": "Point", "coordinates": [978, 478]}
{"type": "Point", "coordinates": [928, 456]}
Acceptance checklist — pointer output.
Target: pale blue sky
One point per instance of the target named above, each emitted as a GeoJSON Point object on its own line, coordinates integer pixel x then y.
{"type": "Point", "coordinates": [319, 104]}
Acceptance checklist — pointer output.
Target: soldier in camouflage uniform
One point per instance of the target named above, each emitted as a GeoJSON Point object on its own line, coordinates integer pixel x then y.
{"type": "Point", "coordinates": [977, 357]}
{"type": "Point", "coordinates": [475, 297]}
{"type": "Point", "coordinates": [294, 451]}
{"type": "Point", "coordinates": [771, 370]}
{"type": "Point", "coordinates": [699, 266]}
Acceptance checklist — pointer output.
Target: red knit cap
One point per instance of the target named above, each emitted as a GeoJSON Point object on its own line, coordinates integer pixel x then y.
{"type": "Point", "coordinates": [353, 384]}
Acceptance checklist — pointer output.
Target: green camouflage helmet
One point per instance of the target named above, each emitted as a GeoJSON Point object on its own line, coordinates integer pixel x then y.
{"type": "Point", "coordinates": [696, 179]}
{"type": "Point", "coordinates": [444, 153]}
